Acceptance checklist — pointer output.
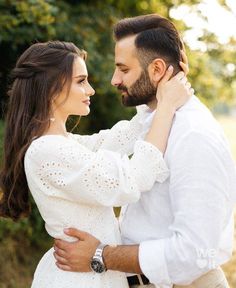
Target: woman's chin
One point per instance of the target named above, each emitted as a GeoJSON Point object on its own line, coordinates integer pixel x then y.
{"type": "Point", "coordinates": [80, 113]}
{"type": "Point", "coordinates": [86, 112]}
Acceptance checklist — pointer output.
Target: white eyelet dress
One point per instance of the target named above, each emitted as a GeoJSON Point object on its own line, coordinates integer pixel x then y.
{"type": "Point", "coordinates": [76, 180]}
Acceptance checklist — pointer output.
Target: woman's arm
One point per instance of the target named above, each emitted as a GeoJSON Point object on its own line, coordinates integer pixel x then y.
{"type": "Point", "coordinates": [122, 136]}
{"type": "Point", "coordinates": [171, 95]}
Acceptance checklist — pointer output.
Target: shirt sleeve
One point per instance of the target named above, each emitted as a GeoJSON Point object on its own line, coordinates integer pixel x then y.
{"type": "Point", "coordinates": [120, 138]}
{"type": "Point", "coordinates": [73, 172]}
{"type": "Point", "coordinates": [200, 199]}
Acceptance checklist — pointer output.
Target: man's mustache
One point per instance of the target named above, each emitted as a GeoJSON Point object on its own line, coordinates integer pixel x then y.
{"type": "Point", "coordinates": [122, 88]}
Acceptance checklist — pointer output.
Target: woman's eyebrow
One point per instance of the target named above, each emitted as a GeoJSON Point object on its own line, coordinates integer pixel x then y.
{"type": "Point", "coordinates": [81, 76]}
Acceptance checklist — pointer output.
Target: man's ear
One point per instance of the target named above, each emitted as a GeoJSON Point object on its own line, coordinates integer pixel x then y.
{"type": "Point", "coordinates": [157, 70]}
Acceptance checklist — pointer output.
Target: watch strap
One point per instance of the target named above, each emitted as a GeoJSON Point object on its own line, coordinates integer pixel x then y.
{"type": "Point", "coordinates": [99, 250]}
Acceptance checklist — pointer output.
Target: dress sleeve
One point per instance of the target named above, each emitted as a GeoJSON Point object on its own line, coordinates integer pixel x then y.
{"type": "Point", "coordinates": [120, 138]}
{"type": "Point", "coordinates": [73, 172]}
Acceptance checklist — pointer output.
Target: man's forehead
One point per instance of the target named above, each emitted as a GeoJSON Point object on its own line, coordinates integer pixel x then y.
{"type": "Point", "coordinates": [125, 48]}
{"type": "Point", "coordinates": [127, 41]}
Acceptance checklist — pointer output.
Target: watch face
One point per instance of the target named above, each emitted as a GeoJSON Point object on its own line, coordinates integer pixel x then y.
{"type": "Point", "coordinates": [97, 266]}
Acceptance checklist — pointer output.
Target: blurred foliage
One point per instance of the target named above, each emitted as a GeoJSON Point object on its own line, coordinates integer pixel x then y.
{"type": "Point", "coordinates": [21, 245]}
{"type": "Point", "coordinates": [1, 140]}
{"type": "Point", "coordinates": [88, 23]}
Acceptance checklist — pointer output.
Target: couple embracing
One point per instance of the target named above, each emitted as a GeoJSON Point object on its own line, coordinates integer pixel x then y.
{"type": "Point", "coordinates": [169, 167]}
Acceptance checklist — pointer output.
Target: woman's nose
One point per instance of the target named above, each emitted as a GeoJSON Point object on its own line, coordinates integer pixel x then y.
{"type": "Point", "coordinates": [90, 91]}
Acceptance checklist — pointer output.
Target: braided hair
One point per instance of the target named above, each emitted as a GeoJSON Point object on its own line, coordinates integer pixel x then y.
{"type": "Point", "coordinates": [40, 74]}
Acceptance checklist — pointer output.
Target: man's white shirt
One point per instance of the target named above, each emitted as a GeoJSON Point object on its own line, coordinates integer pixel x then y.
{"type": "Point", "coordinates": [185, 225]}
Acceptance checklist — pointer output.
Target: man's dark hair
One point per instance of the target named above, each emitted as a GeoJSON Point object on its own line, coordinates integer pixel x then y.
{"type": "Point", "coordinates": [156, 37]}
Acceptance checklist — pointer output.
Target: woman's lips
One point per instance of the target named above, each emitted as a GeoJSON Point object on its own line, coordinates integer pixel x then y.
{"type": "Point", "coordinates": [87, 102]}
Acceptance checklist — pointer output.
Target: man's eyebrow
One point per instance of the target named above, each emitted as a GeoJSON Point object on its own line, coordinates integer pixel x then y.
{"type": "Point", "coordinates": [81, 76]}
{"type": "Point", "coordinates": [121, 65]}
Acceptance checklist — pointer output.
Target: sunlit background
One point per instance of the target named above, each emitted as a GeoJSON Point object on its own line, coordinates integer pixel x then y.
{"type": "Point", "coordinates": [213, 17]}
{"type": "Point", "coordinates": [208, 30]}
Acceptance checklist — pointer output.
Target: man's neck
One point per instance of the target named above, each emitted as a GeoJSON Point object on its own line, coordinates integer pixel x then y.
{"type": "Point", "coordinates": [152, 105]}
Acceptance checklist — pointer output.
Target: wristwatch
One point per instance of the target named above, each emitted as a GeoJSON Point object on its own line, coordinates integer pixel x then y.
{"type": "Point", "coordinates": [97, 265]}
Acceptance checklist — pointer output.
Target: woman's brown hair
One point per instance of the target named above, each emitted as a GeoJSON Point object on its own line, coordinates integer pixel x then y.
{"type": "Point", "coordinates": [40, 74]}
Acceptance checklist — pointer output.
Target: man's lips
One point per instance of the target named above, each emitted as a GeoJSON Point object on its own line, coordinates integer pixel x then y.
{"type": "Point", "coordinates": [123, 92]}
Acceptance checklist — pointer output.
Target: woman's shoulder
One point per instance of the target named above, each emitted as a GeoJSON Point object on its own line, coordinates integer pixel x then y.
{"type": "Point", "coordinates": [50, 151]}
{"type": "Point", "coordinates": [49, 140]}
{"type": "Point", "coordinates": [48, 145]}
{"type": "Point", "coordinates": [55, 147]}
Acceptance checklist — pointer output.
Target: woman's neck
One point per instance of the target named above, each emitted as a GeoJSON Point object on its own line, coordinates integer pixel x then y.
{"type": "Point", "coordinates": [57, 125]}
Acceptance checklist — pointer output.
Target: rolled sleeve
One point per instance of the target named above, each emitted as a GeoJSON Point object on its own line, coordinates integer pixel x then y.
{"type": "Point", "coordinates": [153, 263]}
{"type": "Point", "coordinates": [201, 203]}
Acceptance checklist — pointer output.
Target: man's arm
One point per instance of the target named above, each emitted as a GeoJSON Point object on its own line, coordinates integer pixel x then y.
{"type": "Point", "coordinates": [76, 256]}
{"type": "Point", "coordinates": [199, 191]}
{"type": "Point", "coordinates": [122, 258]}
{"type": "Point", "coordinates": [202, 209]}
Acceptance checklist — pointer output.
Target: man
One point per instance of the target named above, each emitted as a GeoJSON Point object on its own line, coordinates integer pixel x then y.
{"type": "Point", "coordinates": [184, 226]}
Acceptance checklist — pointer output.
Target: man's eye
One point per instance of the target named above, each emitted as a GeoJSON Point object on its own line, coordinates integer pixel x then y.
{"type": "Point", "coordinates": [125, 71]}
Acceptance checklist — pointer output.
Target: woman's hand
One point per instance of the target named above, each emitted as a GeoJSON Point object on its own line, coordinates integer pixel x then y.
{"type": "Point", "coordinates": [173, 93]}
{"type": "Point", "coordinates": [184, 63]}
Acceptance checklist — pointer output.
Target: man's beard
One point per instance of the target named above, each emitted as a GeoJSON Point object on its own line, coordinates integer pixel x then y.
{"type": "Point", "coordinates": [141, 92]}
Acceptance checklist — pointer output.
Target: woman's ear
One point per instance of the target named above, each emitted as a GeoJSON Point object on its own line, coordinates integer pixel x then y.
{"type": "Point", "coordinates": [157, 70]}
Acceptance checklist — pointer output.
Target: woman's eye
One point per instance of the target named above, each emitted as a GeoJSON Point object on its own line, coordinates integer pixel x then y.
{"type": "Point", "coordinates": [125, 71]}
{"type": "Point", "coordinates": [82, 81]}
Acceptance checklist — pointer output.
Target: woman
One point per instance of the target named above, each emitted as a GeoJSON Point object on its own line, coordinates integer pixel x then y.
{"type": "Point", "coordinates": [75, 180]}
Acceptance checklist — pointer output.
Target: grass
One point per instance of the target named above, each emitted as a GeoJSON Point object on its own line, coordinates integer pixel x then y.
{"type": "Point", "coordinates": [229, 126]}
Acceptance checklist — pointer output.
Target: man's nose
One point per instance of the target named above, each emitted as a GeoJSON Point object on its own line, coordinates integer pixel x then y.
{"type": "Point", "coordinates": [116, 80]}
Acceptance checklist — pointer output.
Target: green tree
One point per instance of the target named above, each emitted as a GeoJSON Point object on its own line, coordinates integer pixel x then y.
{"type": "Point", "coordinates": [88, 23]}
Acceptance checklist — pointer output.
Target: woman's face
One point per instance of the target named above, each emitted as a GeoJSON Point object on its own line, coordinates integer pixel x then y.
{"type": "Point", "coordinates": [77, 101]}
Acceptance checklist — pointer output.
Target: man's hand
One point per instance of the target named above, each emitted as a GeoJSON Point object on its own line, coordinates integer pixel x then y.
{"type": "Point", "coordinates": [75, 256]}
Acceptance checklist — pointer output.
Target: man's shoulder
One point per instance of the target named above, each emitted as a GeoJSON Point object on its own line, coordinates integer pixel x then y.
{"type": "Point", "coordinates": [196, 121]}
{"type": "Point", "coordinates": [194, 116]}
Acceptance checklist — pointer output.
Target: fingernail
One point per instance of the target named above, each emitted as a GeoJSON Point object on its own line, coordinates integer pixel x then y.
{"type": "Point", "coordinates": [170, 67]}
{"type": "Point", "coordinates": [66, 230]}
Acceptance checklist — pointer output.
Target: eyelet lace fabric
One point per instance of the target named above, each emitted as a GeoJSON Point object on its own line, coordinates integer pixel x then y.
{"type": "Point", "coordinates": [75, 182]}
